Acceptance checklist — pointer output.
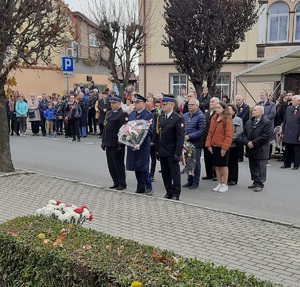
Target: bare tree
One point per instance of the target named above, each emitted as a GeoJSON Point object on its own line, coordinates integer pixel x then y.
{"type": "Point", "coordinates": [202, 34]}
{"type": "Point", "coordinates": [121, 29]}
{"type": "Point", "coordinates": [31, 31]}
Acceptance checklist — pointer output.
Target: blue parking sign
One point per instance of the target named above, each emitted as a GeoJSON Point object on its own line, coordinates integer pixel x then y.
{"type": "Point", "coordinates": [67, 64]}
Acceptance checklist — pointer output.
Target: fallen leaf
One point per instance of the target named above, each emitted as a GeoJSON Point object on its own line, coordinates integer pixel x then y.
{"type": "Point", "coordinates": [63, 235]}
{"type": "Point", "coordinates": [57, 242]}
{"type": "Point", "coordinates": [88, 247]}
{"type": "Point", "coordinates": [108, 247]}
{"type": "Point", "coordinates": [46, 241]}
{"type": "Point", "coordinates": [136, 284]}
{"type": "Point", "coordinates": [41, 236]}
{"type": "Point", "coordinates": [14, 234]}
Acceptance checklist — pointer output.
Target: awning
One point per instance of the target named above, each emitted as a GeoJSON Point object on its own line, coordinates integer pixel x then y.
{"type": "Point", "coordinates": [271, 70]}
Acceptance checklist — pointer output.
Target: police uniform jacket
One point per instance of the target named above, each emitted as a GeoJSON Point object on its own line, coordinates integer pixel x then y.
{"type": "Point", "coordinates": [260, 135]}
{"type": "Point", "coordinates": [291, 125]}
{"type": "Point", "coordinates": [170, 133]}
{"type": "Point", "coordinates": [138, 160]}
{"type": "Point", "coordinates": [103, 106]}
{"type": "Point", "coordinates": [113, 122]}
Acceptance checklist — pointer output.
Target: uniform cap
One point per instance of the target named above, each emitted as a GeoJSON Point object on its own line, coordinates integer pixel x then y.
{"type": "Point", "coordinates": [115, 99]}
{"type": "Point", "coordinates": [139, 98]}
{"type": "Point", "coordinates": [168, 98]}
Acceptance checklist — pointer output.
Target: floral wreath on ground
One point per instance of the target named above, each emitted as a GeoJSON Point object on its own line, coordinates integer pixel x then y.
{"type": "Point", "coordinates": [66, 213]}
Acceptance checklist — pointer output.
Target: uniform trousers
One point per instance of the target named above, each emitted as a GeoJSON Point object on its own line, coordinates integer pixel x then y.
{"type": "Point", "coordinates": [153, 159]}
{"type": "Point", "coordinates": [292, 151]}
{"type": "Point", "coordinates": [233, 164]}
{"type": "Point", "coordinates": [258, 170]}
{"type": "Point", "coordinates": [170, 172]}
{"type": "Point", "coordinates": [116, 166]}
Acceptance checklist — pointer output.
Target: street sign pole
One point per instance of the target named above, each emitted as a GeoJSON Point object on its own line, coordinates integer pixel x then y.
{"type": "Point", "coordinates": [68, 69]}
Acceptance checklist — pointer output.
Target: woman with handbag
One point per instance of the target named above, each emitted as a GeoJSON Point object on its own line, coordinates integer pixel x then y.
{"type": "Point", "coordinates": [34, 116]}
{"type": "Point", "coordinates": [233, 165]}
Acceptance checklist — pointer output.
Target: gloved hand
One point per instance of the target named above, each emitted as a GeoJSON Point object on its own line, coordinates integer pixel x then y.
{"type": "Point", "coordinates": [177, 158]}
{"type": "Point", "coordinates": [157, 157]}
{"type": "Point", "coordinates": [103, 146]}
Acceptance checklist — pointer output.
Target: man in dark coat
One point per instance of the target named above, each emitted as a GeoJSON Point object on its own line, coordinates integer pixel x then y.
{"type": "Point", "coordinates": [256, 136]}
{"type": "Point", "coordinates": [83, 118]}
{"type": "Point", "coordinates": [209, 167]}
{"type": "Point", "coordinates": [138, 160]}
{"type": "Point", "coordinates": [291, 134]}
{"type": "Point", "coordinates": [170, 134]}
{"type": "Point", "coordinates": [43, 106]}
{"type": "Point", "coordinates": [104, 107]}
{"type": "Point", "coordinates": [204, 100]}
{"type": "Point", "coordinates": [115, 152]}
{"type": "Point", "coordinates": [92, 112]}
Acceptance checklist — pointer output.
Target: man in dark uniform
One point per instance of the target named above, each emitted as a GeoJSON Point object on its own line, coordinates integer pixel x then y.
{"type": "Point", "coordinates": [115, 152]}
{"type": "Point", "coordinates": [104, 107]}
{"type": "Point", "coordinates": [138, 160]}
{"type": "Point", "coordinates": [170, 137]}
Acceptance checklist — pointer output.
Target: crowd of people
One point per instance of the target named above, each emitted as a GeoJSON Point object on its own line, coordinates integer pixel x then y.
{"type": "Point", "coordinates": [223, 130]}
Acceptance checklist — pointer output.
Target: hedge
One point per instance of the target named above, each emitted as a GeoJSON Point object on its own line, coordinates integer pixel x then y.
{"type": "Point", "coordinates": [39, 251]}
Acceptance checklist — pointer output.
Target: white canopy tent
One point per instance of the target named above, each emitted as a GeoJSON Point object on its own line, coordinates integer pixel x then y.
{"type": "Point", "coordinates": [270, 70]}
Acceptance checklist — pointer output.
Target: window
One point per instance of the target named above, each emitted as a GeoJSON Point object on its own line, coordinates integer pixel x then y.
{"type": "Point", "coordinates": [222, 86]}
{"type": "Point", "coordinates": [73, 50]}
{"type": "Point", "coordinates": [297, 23]}
{"type": "Point", "coordinates": [278, 22]}
{"type": "Point", "coordinates": [176, 83]}
{"type": "Point", "coordinates": [93, 42]}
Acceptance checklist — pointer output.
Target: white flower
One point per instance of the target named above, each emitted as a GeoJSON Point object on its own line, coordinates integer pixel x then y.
{"type": "Point", "coordinates": [67, 209]}
{"type": "Point", "coordinates": [86, 213]}
{"type": "Point", "coordinates": [40, 211]}
{"type": "Point", "coordinates": [61, 205]}
{"type": "Point", "coordinates": [52, 201]}
{"type": "Point", "coordinates": [57, 213]}
{"type": "Point", "coordinates": [74, 206]}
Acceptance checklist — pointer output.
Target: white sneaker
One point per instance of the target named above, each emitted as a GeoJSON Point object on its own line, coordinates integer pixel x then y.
{"type": "Point", "coordinates": [217, 187]}
{"type": "Point", "coordinates": [223, 188]}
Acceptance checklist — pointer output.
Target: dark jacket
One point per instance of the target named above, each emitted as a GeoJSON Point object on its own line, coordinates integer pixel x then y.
{"type": "Point", "coordinates": [43, 106]}
{"type": "Point", "coordinates": [243, 112]}
{"type": "Point", "coordinates": [291, 125]}
{"type": "Point", "coordinates": [112, 123]}
{"type": "Point", "coordinates": [204, 102]}
{"type": "Point", "coordinates": [170, 135]}
{"type": "Point", "coordinates": [138, 160]}
{"type": "Point", "coordinates": [73, 111]}
{"type": "Point", "coordinates": [103, 106]}
{"type": "Point", "coordinates": [260, 135]}
{"type": "Point", "coordinates": [269, 110]}
{"type": "Point", "coordinates": [59, 108]}
{"type": "Point", "coordinates": [194, 127]}
{"type": "Point", "coordinates": [84, 115]}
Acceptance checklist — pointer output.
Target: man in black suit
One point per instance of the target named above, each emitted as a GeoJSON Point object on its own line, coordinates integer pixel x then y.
{"type": "Point", "coordinates": [170, 137]}
{"type": "Point", "coordinates": [256, 136]}
{"type": "Point", "coordinates": [115, 152]}
{"type": "Point", "coordinates": [243, 112]}
{"type": "Point", "coordinates": [204, 100]}
{"type": "Point", "coordinates": [103, 107]}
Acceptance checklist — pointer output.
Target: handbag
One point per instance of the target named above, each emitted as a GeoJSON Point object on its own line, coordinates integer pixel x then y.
{"type": "Point", "coordinates": [31, 114]}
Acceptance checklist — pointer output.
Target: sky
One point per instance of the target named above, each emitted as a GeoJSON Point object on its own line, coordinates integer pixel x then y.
{"type": "Point", "coordinates": [77, 5]}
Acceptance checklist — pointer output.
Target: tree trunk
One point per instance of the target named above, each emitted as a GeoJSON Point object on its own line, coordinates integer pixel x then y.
{"type": "Point", "coordinates": [6, 164]}
{"type": "Point", "coordinates": [198, 88]}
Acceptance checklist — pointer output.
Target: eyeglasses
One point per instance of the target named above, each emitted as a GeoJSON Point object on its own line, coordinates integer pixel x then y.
{"type": "Point", "coordinates": [191, 104]}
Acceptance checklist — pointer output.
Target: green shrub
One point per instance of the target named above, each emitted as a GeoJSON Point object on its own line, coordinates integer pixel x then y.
{"type": "Point", "coordinates": [39, 251]}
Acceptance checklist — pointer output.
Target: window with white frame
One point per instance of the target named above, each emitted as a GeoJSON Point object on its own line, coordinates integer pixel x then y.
{"type": "Point", "coordinates": [177, 81]}
{"type": "Point", "coordinates": [278, 22]}
{"type": "Point", "coordinates": [93, 42]}
{"type": "Point", "coordinates": [222, 85]}
{"type": "Point", "coordinates": [297, 23]}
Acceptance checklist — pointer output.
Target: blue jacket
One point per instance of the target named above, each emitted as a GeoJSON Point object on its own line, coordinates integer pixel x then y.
{"type": "Point", "coordinates": [21, 109]}
{"type": "Point", "coordinates": [138, 160]}
{"type": "Point", "coordinates": [195, 127]}
{"type": "Point", "coordinates": [50, 114]}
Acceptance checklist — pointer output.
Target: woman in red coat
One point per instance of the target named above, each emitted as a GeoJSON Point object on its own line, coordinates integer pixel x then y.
{"type": "Point", "coordinates": [218, 142]}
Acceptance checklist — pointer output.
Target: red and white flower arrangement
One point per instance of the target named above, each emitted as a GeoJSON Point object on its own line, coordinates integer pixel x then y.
{"type": "Point", "coordinates": [66, 213]}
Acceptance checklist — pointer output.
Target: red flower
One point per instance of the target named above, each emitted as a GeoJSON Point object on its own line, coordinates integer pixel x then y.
{"type": "Point", "coordinates": [91, 217]}
{"type": "Point", "coordinates": [78, 210]}
{"type": "Point", "coordinates": [58, 202]}
{"type": "Point", "coordinates": [84, 206]}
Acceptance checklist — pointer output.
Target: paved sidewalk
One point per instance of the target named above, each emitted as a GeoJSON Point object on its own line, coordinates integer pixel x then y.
{"type": "Point", "coordinates": [266, 249]}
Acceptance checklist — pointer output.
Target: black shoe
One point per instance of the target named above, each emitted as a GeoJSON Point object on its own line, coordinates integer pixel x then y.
{"type": "Point", "coordinates": [295, 168]}
{"type": "Point", "coordinates": [113, 186]}
{"type": "Point", "coordinates": [258, 189]}
{"type": "Point", "coordinates": [285, 166]}
{"type": "Point", "coordinates": [207, 177]}
{"type": "Point", "coordinates": [73, 140]}
{"type": "Point", "coordinates": [11, 134]}
{"type": "Point", "coordinates": [18, 134]}
{"type": "Point", "coordinates": [175, 197]}
{"type": "Point", "coordinates": [168, 196]}
{"type": "Point", "coordinates": [232, 183]}
{"type": "Point", "coordinates": [79, 140]}
{"type": "Point", "coordinates": [187, 185]}
{"type": "Point", "coordinates": [215, 178]}
{"type": "Point", "coordinates": [66, 136]}
{"type": "Point", "coordinates": [193, 186]}
{"type": "Point", "coordinates": [139, 191]}
{"type": "Point", "coordinates": [252, 186]}
{"type": "Point", "coordinates": [121, 187]}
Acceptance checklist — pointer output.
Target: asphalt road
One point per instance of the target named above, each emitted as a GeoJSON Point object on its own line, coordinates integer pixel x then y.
{"type": "Point", "coordinates": [86, 162]}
